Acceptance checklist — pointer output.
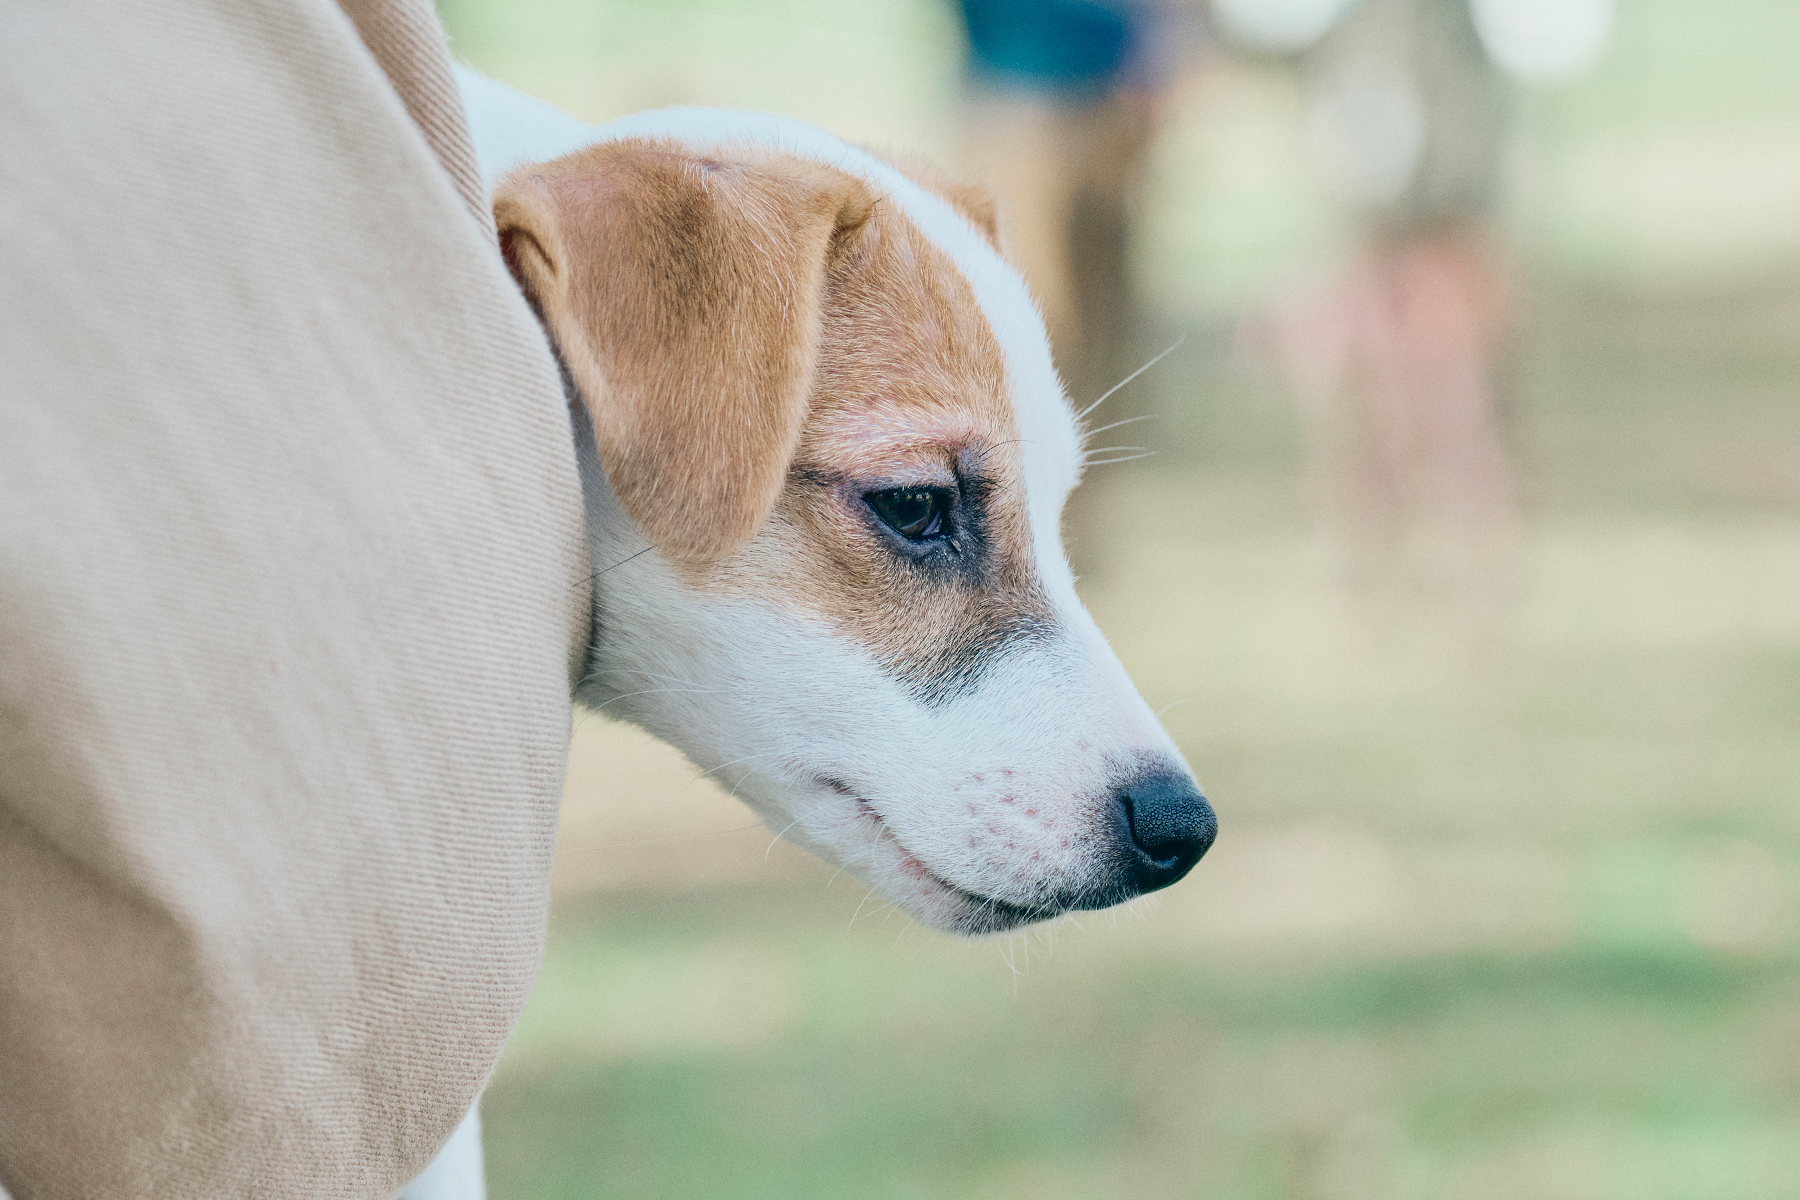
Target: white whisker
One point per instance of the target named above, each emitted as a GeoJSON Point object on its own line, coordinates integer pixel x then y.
{"type": "Point", "coordinates": [778, 837]}
{"type": "Point", "coordinates": [1115, 387]}
{"type": "Point", "coordinates": [734, 761]}
{"type": "Point", "coordinates": [654, 692]}
{"type": "Point", "coordinates": [655, 675]}
{"type": "Point", "coordinates": [1086, 434]}
{"type": "Point", "coordinates": [859, 905]}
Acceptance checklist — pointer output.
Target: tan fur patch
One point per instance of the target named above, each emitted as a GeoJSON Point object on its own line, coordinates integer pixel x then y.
{"type": "Point", "coordinates": [911, 389]}
{"type": "Point", "coordinates": [683, 293]}
{"type": "Point", "coordinates": [761, 343]}
{"type": "Point", "coordinates": [975, 202]}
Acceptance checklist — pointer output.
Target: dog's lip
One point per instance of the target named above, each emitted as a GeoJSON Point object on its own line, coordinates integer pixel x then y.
{"type": "Point", "coordinates": [1009, 914]}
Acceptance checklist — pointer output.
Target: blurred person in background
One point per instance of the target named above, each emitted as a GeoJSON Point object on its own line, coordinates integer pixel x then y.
{"type": "Point", "coordinates": [1062, 104]}
{"type": "Point", "coordinates": [1394, 358]}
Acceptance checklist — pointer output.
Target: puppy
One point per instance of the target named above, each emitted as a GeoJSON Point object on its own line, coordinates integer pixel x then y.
{"type": "Point", "coordinates": [825, 453]}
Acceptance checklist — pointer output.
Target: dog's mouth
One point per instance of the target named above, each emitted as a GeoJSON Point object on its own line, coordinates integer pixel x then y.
{"type": "Point", "coordinates": [971, 913]}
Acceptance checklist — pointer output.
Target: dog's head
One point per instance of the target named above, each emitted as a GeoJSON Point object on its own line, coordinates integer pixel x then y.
{"type": "Point", "coordinates": [827, 455]}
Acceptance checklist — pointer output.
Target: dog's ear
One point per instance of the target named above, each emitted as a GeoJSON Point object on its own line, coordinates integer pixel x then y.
{"type": "Point", "coordinates": [977, 204]}
{"type": "Point", "coordinates": [684, 295]}
{"type": "Point", "coordinates": [974, 202]}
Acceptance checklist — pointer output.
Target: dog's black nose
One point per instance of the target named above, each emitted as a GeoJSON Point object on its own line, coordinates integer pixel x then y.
{"type": "Point", "coordinates": [1171, 826]}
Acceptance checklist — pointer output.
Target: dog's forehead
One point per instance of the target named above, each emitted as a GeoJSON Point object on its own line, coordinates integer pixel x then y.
{"type": "Point", "coordinates": [1049, 456]}
{"type": "Point", "coordinates": [909, 372]}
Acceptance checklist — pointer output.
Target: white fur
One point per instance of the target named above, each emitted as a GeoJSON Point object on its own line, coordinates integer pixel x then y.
{"type": "Point", "coordinates": [994, 793]}
{"type": "Point", "coordinates": [780, 703]}
{"type": "Point", "coordinates": [457, 1172]}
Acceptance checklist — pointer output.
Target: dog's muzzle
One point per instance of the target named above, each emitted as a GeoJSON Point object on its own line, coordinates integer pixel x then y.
{"type": "Point", "coordinates": [1168, 824]}
{"type": "Point", "coordinates": [1160, 826]}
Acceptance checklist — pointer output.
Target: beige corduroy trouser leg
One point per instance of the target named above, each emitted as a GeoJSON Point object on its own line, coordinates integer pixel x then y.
{"type": "Point", "coordinates": [291, 583]}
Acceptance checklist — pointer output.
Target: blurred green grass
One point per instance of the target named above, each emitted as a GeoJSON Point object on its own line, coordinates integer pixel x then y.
{"type": "Point", "coordinates": [1498, 910]}
{"type": "Point", "coordinates": [1527, 935]}
{"type": "Point", "coordinates": [1630, 1070]}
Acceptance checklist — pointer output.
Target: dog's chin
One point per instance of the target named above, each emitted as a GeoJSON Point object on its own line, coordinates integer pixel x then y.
{"type": "Point", "coordinates": [949, 909]}
{"type": "Point", "coordinates": [980, 917]}
{"type": "Point", "coordinates": [847, 831]}
{"type": "Point", "coordinates": [883, 862]}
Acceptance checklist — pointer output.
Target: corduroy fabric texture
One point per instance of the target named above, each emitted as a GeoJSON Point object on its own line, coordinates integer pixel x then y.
{"type": "Point", "coordinates": [291, 584]}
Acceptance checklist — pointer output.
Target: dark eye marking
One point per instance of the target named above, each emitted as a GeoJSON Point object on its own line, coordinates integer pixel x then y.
{"type": "Point", "coordinates": [918, 514]}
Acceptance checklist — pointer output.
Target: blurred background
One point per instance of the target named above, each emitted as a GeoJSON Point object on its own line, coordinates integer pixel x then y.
{"type": "Point", "coordinates": [1467, 565]}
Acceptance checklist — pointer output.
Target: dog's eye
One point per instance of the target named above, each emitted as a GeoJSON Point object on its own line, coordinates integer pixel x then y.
{"type": "Point", "coordinates": [916, 514]}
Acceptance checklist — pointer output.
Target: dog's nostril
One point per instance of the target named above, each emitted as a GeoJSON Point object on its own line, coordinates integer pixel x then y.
{"type": "Point", "coordinates": [1170, 825]}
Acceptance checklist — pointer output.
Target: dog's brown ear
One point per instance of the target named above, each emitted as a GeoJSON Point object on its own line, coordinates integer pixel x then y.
{"type": "Point", "coordinates": [684, 295]}
{"type": "Point", "coordinates": [975, 202]}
